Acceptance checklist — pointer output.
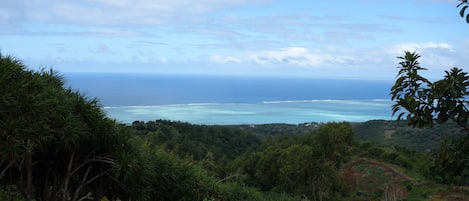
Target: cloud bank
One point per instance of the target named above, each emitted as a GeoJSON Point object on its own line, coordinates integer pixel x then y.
{"type": "Point", "coordinates": [263, 37]}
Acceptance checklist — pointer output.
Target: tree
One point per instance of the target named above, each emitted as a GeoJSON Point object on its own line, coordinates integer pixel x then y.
{"type": "Point", "coordinates": [305, 165]}
{"type": "Point", "coordinates": [304, 171]}
{"type": "Point", "coordinates": [55, 144]}
{"type": "Point", "coordinates": [426, 103]}
{"type": "Point", "coordinates": [26, 97]}
{"type": "Point", "coordinates": [335, 141]}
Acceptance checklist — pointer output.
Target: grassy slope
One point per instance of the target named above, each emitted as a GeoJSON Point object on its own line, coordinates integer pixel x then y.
{"type": "Point", "coordinates": [374, 180]}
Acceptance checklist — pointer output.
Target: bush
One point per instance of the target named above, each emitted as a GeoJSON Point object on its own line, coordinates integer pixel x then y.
{"type": "Point", "coordinates": [391, 156]}
{"type": "Point", "coordinates": [365, 146]}
{"type": "Point", "coordinates": [375, 152]}
{"type": "Point", "coordinates": [404, 162]}
{"type": "Point", "coordinates": [10, 193]}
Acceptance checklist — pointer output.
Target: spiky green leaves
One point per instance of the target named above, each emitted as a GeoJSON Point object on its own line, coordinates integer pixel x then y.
{"type": "Point", "coordinates": [462, 12]}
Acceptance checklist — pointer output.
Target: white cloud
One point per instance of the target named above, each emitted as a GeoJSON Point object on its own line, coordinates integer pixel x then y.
{"type": "Point", "coordinates": [224, 59]}
{"type": "Point", "coordinates": [109, 32]}
{"type": "Point", "coordinates": [298, 56]}
{"type": "Point", "coordinates": [418, 47]}
{"type": "Point", "coordinates": [434, 56]}
{"type": "Point", "coordinates": [102, 48]}
{"type": "Point", "coordinates": [238, 33]}
{"type": "Point", "coordinates": [11, 10]}
{"type": "Point", "coordinates": [112, 12]}
{"type": "Point", "coordinates": [374, 61]}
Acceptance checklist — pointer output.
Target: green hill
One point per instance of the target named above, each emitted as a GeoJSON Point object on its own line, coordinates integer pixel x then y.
{"type": "Point", "coordinates": [374, 168]}
{"type": "Point", "coordinates": [398, 133]}
{"type": "Point", "coordinates": [389, 132]}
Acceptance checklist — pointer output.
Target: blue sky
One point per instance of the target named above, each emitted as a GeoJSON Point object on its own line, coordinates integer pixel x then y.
{"type": "Point", "coordinates": [356, 39]}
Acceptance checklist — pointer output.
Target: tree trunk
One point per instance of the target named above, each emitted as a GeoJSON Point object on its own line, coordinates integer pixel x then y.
{"type": "Point", "coordinates": [67, 176]}
{"type": "Point", "coordinates": [29, 173]}
{"type": "Point", "coordinates": [46, 188]}
{"type": "Point", "coordinates": [83, 183]}
{"type": "Point", "coordinates": [2, 174]}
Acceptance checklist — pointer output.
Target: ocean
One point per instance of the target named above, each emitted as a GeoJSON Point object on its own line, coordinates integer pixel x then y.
{"type": "Point", "coordinates": [222, 100]}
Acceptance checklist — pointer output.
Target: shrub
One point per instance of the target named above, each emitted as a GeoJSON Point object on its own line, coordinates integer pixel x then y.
{"type": "Point", "coordinates": [375, 152]}
{"type": "Point", "coordinates": [365, 145]}
{"type": "Point", "coordinates": [404, 161]}
{"type": "Point", "coordinates": [10, 193]}
{"type": "Point", "coordinates": [391, 156]}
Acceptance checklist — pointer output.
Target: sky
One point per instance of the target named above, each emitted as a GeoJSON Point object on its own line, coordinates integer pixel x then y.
{"type": "Point", "coordinates": [353, 39]}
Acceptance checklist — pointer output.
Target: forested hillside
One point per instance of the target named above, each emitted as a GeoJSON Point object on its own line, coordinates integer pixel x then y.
{"type": "Point", "coordinates": [297, 159]}
{"type": "Point", "coordinates": [57, 144]}
{"type": "Point", "coordinates": [398, 133]}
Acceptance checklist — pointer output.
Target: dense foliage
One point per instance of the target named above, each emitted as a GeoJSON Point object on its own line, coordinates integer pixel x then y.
{"type": "Point", "coordinates": [304, 164]}
{"type": "Point", "coordinates": [57, 144]}
{"type": "Point", "coordinates": [197, 141]}
{"type": "Point", "coordinates": [392, 133]}
{"type": "Point", "coordinates": [427, 102]}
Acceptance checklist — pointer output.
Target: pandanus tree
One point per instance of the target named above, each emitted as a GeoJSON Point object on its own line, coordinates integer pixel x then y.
{"type": "Point", "coordinates": [58, 145]}
{"type": "Point", "coordinates": [55, 143]}
{"type": "Point", "coordinates": [22, 124]}
{"type": "Point", "coordinates": [464, 5]}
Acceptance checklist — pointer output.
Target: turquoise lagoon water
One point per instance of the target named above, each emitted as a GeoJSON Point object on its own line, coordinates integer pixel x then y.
{"type": "Point", "coordinates": [234, 100]}
{"type": "Point", "coordinates": [293, 112]}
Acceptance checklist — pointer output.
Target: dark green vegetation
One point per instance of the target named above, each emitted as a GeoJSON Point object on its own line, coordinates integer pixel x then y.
{"type": "Point", "coordinates": [302, 165]}
{"type": "Point", "coordinates": [57, 144]}
{"type": "Point", "coordinates": [322, 162]}
{"type": "Point", "coordinates": [398, 133]}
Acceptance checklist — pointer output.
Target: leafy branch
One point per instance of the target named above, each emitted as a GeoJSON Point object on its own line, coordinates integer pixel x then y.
{"type": "Point", "coordinates": [427, 102]}
{"type": "Point", "coordinates": [464, 5]}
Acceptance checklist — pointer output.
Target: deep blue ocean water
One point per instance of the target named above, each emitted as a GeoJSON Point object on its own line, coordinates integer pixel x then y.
{"type": "Point", "coordinates": [234, 100]}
